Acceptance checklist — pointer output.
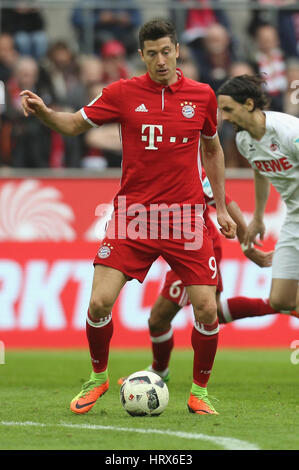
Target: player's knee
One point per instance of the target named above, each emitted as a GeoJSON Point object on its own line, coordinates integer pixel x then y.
{"type": "Point", "coordinates": [99, 307]}
{"type": "Point", "coordinates": [205, 313]}
{"type": "Point", "coordinates": [158, 321]}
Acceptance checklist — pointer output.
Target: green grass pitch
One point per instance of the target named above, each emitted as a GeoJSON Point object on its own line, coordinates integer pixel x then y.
{"type": "Point", "coordinates": [256, 391]}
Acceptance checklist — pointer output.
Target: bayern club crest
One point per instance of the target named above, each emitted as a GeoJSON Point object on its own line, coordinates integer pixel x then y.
{"type": "Point", "coordinates": [188, 109]}
{"type": "Point", "coordinates": [105, 251]}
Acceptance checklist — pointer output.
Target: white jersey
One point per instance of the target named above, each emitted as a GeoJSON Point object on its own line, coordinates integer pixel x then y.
{"type": "Point", "coordinates": [276, 156]}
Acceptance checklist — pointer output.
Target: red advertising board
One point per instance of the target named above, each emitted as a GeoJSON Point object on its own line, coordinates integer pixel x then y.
{"type": "Point", "coordinates": [49, 234]}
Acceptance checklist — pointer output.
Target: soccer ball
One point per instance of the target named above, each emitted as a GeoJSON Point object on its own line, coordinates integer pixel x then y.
{"type": "Point", "coordinates": [144, 393]}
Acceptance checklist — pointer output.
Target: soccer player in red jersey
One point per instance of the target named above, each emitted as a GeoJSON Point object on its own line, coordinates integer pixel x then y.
{"type": "Point", "coordinates": [164, 117]}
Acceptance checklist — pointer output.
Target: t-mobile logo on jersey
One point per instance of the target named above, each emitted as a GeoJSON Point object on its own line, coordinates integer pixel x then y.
{"type": "Point", "coordinates": [153, 133]}
{"type": "Point", "coordinates": [150, 137]}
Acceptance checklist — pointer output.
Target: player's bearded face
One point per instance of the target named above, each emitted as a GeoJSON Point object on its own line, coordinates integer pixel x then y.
{"type": "Point", "coordinates": [232, 112]}
{"type": "Point", "coordinates": [238, 128]}
{"type": "Point", "coordinates": [160, 58]}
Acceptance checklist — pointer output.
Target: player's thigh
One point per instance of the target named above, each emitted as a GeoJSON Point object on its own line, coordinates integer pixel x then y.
{"type": "Point", "coordinates": [284, 294]}
{"type": "Point", "coordinates": [174, 290]}
{"type": "Point", "coordinates": [162, 314]}
{"type": "Point", "coordinates": [106, 286]}
{"type": "Point", "coordinates": [203, 300]}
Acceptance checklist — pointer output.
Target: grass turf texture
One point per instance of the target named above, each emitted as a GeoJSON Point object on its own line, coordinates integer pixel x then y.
{"type": "Point", "coordinates": [257, 392]}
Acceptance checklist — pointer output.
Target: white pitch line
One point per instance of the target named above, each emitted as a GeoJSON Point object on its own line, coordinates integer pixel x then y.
{"type": "Point", "coordinates": [228, 443]}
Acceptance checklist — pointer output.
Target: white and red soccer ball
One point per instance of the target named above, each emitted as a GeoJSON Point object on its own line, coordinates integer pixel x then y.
{"type": "Point", "coordinates": [144, 393]}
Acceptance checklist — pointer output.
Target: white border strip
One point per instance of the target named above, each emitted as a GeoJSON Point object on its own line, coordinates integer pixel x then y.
{"type": "Point", "coordinates": [162, 338]}
{"type": "Point", "coordinates": [225, 311]}
{"type": "Point", "coordinates": [228, 443]}
{"type": "Point", "coordinates": [201, 328]}
{"type": "Point", "coordinates": [209, 136]}
{"type": "Point", "coordinates": [103, 322]}
{"type": "Point", "coordinates": [93, 124]}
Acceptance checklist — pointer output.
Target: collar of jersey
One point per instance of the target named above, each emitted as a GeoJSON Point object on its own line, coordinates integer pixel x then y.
{"type": "Point", "coordinates": [173, 88]}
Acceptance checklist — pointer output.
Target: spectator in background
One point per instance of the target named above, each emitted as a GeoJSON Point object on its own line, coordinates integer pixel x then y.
{"type": "Point", "coordinates": [119, 24]}
{"type": "Point", "coordinates": [30, 142]}
{"type": "Point", "coordinates": [8, 56]}
{"type": "Point", "coordinates": [101, 153]}
{"type": "Point", "coordinates": [261, 16]}
{"type": "Point", "coordinates": [91, 76]}
{"type": "Point", "coordinates": [62, 67]}
{"type": "Point", "coordinates": [241, 68]}
{"type": "Point", "coordinates": [187, 64]}
{"type": "Point", "coordinates": [288, 28]}
{"type": "Point", "coordinates": [115, 65]}
{"type": "Point", "coordinates": [72, 77]}
{"type": "Point", "coordinates": [194, 23]}
{"type": "Point", "coordinates": [285, 21]}
{"type": "Point", "coordinates": [270, 61]}
{"type": "Point", "coordinates": [26, 25]}
{"type": "Point", "coordinates": [291, 97]}
{"type": "Point", "coordinates": [216, 56]}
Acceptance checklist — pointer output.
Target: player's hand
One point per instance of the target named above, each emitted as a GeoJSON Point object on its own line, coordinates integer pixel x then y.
{"type": "Point", "coordinates": [228, 228]}
{"type": "Point", "coordinates": [254, 229]}
{"type": "Point", "coordinates": [32, 104]}
{"type": "Point", "coordinates": [261, 258]}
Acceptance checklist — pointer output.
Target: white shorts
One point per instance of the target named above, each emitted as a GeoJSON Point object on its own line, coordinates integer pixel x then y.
{"type": "Point", "coordinates": [286, 256]}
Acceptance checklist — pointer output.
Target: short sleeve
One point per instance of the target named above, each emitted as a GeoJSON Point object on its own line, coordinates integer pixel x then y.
{"type": "Point", "coordinates": [289, 132]}
{"type": "Point", "coordinates": [240, 144]}
{"type": "Point", "coordinates": [106, 107]}
{"type": "Point", "coordinates": [295, 143]}
{"type": "Point", "coordinates": [209, 130]}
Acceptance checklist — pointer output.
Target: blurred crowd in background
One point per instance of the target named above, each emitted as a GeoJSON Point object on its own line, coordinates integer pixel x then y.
{"type": "Point", "coordinates": [214, 45]}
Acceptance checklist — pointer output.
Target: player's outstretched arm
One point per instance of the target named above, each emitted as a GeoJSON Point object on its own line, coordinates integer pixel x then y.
{"type": "Point", "coordinates": [213, 160]}
{"type": "Point", "coordinates": [257, 226]}
{"type": "Point", "coordinates": [65, 123]}
{"type": "Point", "coordinates": [261, 258]}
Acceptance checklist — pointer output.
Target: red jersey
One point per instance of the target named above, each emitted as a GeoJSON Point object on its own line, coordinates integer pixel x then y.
{"type": "Point", "coordinates": [160, 131]}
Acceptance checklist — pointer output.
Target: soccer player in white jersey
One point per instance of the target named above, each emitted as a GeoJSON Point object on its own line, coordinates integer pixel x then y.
{"type": "Point", "coordinates": [270, 142]}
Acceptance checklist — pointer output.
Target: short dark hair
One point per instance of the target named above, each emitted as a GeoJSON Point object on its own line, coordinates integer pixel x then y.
{"type": "Point", "coordinates": [156, 29]}
{"type": "Point", "coordinates": [246, 86]}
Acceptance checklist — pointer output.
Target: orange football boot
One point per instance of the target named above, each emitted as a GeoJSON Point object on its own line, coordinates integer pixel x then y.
{"type": "Point", "coordinates": [88, 396]}
{"type": "Point", "coordinates": [201, 406]}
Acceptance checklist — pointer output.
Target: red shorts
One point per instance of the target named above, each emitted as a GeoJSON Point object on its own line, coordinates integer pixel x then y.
{"type": "Point", "coordinates": [135, 257]}
{"type": "Point", "coordinates": [174, 289]}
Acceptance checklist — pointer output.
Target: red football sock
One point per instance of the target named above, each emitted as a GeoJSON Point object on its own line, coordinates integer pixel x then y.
{"type": "Point", "coordinates": [99, 335]}
{"type": "Point", "coordinates": [242, 307]}
{"type": "Point", "coordinates": [204, 341]}
{"type": "Point", "coordinates": [162, 344]}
